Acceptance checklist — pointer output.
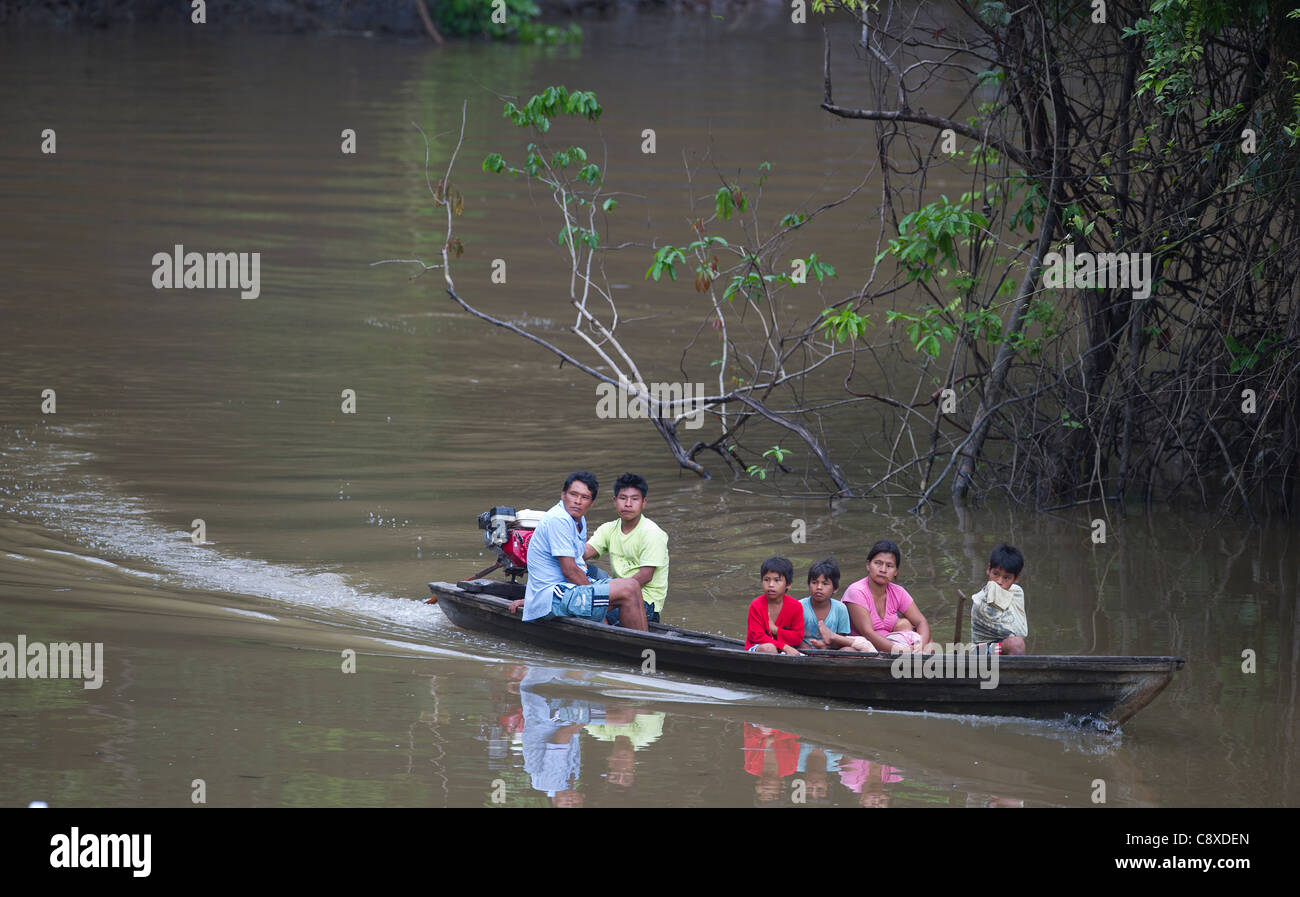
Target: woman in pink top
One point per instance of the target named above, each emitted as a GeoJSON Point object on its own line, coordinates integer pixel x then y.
{"type": "Point", "coordinates": [882, 611]}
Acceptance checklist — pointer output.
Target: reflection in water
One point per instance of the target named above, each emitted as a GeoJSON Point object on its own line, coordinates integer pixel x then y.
{"type": "Point", "coordinates": [628, 730]}
{"type": "Point", "coordinates": [552, 751]}
{"type": "Point", "coordinates": [544, 721]}
{"type": "Point", "coordinates": [868, 781]}
{"type": "Point", "coordinates": [551, 729]}
{"type": "Point", "coordinates": [815, 764]}
{"type": "Point", "coordinates": [772, 755]}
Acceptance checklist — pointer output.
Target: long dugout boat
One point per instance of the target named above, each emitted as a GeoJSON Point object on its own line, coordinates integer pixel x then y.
{"type": "Point", "coordinates": [1101, 690]}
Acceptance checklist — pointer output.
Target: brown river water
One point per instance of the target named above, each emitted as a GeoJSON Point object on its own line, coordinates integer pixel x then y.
{"type": "Point", "coordinates": [224, 661]}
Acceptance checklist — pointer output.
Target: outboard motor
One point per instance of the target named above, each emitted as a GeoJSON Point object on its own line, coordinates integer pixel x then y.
{"type": "Point", "coordinates": [495, 525]}
{"type": "Point", "coordinates": [507, 533]}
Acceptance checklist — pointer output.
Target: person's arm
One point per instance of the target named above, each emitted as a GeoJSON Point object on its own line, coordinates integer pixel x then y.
{"type": "Point", "coordinates": [839, 636]}
{"type": "Point", "coordinates": [564, 734]}
{"type": "Point", "coordinates": [860, 617]}
{"type": "Point", "coordinates": [572, 572]}
{"type": "Point", "coordinates": [653, 556]}
{"type": "Point", "coordinates": [791, 634]}
{"type": "Point", "coordinates": [598, 544]}
{"type": "Point", "coordinates": [920, 624]}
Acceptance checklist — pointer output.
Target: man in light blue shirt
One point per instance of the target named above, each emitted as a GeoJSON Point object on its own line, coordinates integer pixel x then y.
{"type": "Point", "coordinates": [557, 574]}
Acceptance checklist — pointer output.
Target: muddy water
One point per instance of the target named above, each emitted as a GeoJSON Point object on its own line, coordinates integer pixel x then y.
{"type": "Point", "coordinates": [225, 661]}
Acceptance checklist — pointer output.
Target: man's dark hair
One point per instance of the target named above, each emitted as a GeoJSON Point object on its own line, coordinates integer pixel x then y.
{"type": "Point", "coordinates": [778, 565]}
{"type": "Point", "coordinates": [884, 546]}
{"type": "Point", "coordinates": [1009, 558]}
{"type": "Point", "coordinates": [827, 568]}
{"type": "Point", "coordinates": [631, 481]}
{"type": "Point", "coordinates": [582, 476]}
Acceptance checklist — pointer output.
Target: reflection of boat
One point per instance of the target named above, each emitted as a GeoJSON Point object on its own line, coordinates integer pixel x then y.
{"type": "Point", "coordinates": [1104, 689]}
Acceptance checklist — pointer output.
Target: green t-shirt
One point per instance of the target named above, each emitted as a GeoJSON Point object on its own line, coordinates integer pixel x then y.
{"type": "Point", "coordinates": [644, 730]}
{"type": "Point", "coordinates": [645, 546]}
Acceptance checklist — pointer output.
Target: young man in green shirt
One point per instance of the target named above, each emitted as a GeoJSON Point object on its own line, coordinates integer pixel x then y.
{"type": "Point", "coordinates": [637, 547]}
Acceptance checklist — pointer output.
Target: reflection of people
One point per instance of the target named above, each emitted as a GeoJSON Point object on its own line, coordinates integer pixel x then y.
{"type": "Point", "coordinates": [868, 782]}
{"type": "Point", "coordinates": [557, 574]}
{"type": "Point", "coordinates": [504, 694]}
{"type": "Point", "coordinates": [637, 547]}
{"type": "Point", "coordinates": [815, 763]}
{"type": "Point", "coordinates": [771, 755]}
{"type": "Point", "coordinates": [775, 622]}
{"type": "Point", "coordinates": [881, 610]}
{"type": "Point", "coordinates": [552, 753]}
{"type": "Point", "coordinates": [629, 731]}
{"type": "Point", "coordinates": [997, 617]}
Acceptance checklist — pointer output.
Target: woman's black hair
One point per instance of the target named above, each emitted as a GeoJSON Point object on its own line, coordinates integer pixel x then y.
{"type": "Point", "coordinates": [884, 546]}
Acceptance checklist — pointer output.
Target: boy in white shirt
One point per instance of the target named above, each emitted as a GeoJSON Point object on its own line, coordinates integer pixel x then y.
{"type": "Point", "coordinates": [997, 622]}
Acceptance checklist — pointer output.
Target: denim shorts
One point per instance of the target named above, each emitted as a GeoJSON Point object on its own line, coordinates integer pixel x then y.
{"type": "Point", "coordinates": [589, 602]}
{"type": "Point", "coordinates": [651, 615]}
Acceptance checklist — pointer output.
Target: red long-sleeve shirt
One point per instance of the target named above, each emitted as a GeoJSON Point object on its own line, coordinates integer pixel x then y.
{"type": "Point", "coordinates": [789, 624]}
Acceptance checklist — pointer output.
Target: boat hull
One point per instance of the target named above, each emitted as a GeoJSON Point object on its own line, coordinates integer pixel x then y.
{"type": "Point", "coordinates": [1104, 690]}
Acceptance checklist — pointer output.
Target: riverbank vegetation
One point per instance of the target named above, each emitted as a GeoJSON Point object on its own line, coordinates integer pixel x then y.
{"type": "Point", "coordinates": [1120, 138]}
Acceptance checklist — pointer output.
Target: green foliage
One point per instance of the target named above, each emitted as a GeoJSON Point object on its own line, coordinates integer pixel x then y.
{"type": "Point", "coordinates": [664, 260]}
{"type": "Point", "coordinates": [578, 235]}
{"type": "Point", "coordinates": [776, 453]}
{"type": "Point", "coordinates": [818, 268]}
{"type": "Point", "coordinates": [1247, 358]}
{"type": "Point", "coordinates": [794, 219]}
{"type": "Point", "coordinates": [1076, 224]}
{"type": "Point", "coordinates": [994, 12]}
{"type": "Point", "coordinates": [983, 324]}
{"type": "Point", "coordinates": [706, 242]}
{"type": "Point", "coordinates": [929, 330]}
{"type": "Point", "coordinates": [927, 239]}
{"type": "Point", "coordinates": [1175, 33]}
{"type": "Point", "coordinates": [751, 284]}
{"type": "Point", "coordinates": [469, 18]}
{"type": "Point", "coordinates": [728, 201]}
{"type": "Point", "coordinates": [864, 5]}
{"type": "Point", "coordinates": [537, 113]}
{"type": "Point", "coordinates": [540, 109]}
{"type": "Point", "coordinates": [1042, 312]}
{"type": "Point", "coordinates": [1291, 82]}
{"type": "Point", "coordinates": [844, 325]}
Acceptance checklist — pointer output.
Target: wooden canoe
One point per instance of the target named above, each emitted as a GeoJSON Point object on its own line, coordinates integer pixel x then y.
{"type": "Point", "coordinates": [1101, 690]}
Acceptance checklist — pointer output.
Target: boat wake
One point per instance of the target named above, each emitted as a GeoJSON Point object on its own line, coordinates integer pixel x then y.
{"type": "Point", "coordinates": [49, 486]}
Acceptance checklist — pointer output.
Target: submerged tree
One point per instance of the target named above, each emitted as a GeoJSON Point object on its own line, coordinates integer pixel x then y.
{"type": "Point", "coordinates": [1093, 131]}
{"type": "Point", "coordinates": [1109, 311]}
{"type": "Point", "coordinates": [764, 358]}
